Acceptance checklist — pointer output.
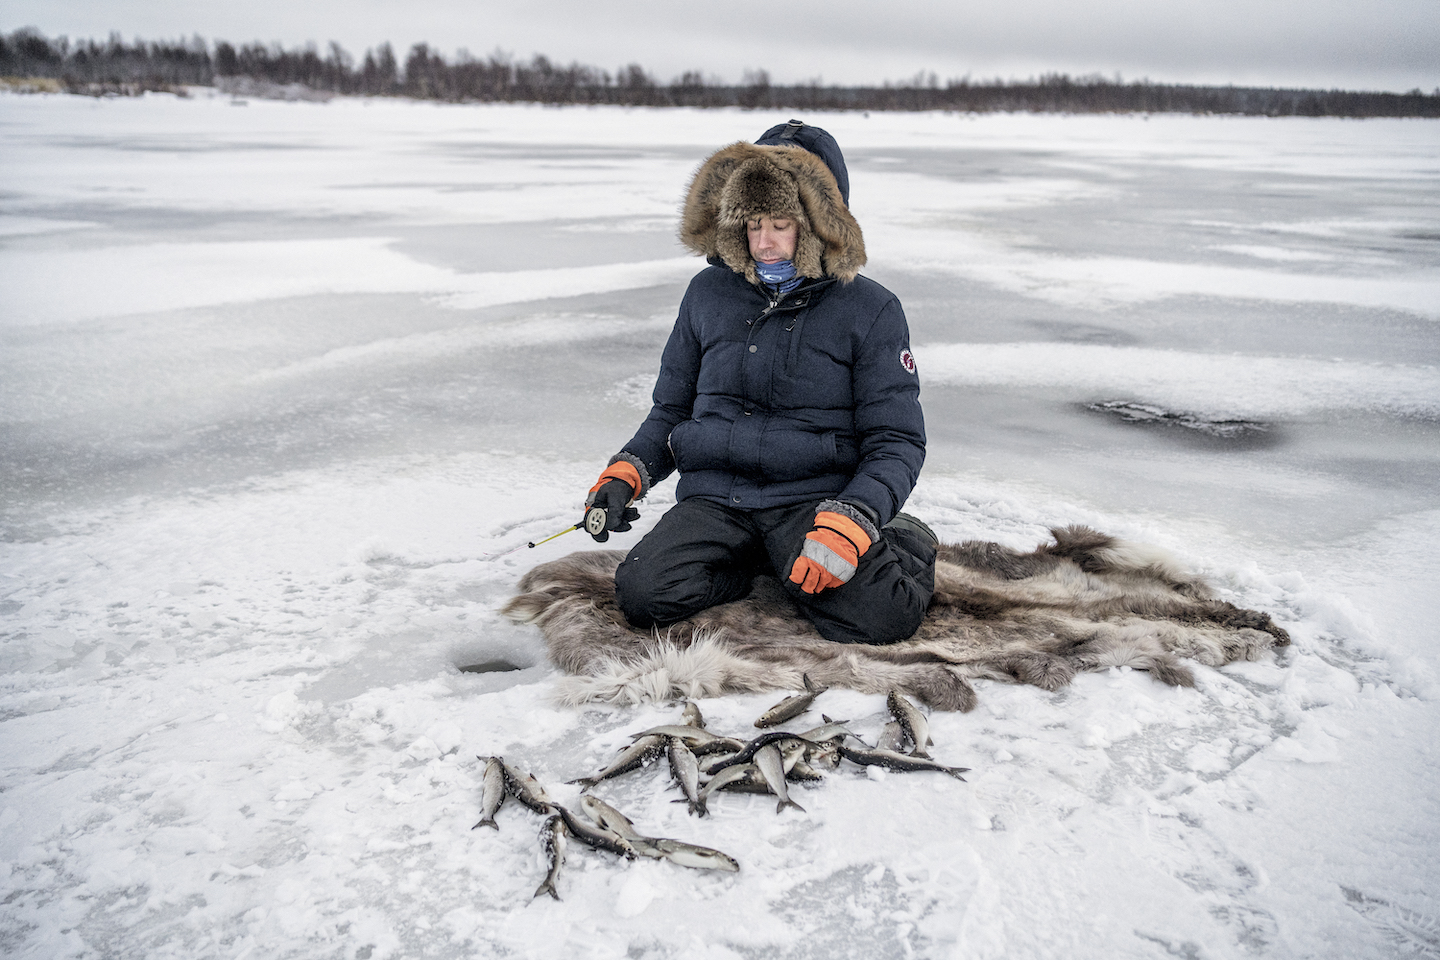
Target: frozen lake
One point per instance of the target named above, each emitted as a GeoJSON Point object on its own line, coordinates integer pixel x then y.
{"type": "Point", "coordinates": [275, 378]}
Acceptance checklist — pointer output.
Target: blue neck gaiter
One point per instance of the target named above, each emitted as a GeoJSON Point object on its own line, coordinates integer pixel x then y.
{"type": "Point", "coordinates": [779, 275]}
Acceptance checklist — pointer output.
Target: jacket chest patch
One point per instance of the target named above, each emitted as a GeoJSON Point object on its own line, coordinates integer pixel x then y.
{"type": "Point", "coordinates": [907, 360]}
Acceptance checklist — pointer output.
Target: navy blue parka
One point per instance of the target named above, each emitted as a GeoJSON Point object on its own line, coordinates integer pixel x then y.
{"type": "Point", "coordinates": [766, 403]}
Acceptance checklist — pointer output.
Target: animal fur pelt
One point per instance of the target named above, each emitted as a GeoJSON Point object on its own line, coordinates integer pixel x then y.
{"type": "Point", "coordinates": [1087, 601]}
{"type": "Point", "coordinates": [743, 182]}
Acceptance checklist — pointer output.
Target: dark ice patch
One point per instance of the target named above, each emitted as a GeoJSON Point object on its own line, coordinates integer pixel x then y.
{"type": "Point", "coordinates": [489, 666]}
{"type": "Point", "coordinates": [1129, 411]}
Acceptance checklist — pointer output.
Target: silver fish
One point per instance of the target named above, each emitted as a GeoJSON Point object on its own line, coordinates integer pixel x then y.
{"type": "Point", "coordinates": [827, 753]}
{"type": "Point", "coordinates": [694, 737]}
{"type": "Point", "coordinates": [750, 780]}
{"type": "Point", "coordinates": [747, 754]}
{"type": "Point", "coordinates": [726, 777]}
{"type": "Point", "coordinates": [608, 817]}
{"type": "Point", "coordinates": [593, 836]}
{"type": "Point", "coordinates": [747, 778]}
{"type": "Point", "coordinates": [692, 716]}
{"type": "Point", "coordinates": [638, 754]}
{"type": "Point", "coordinates": [828, 731]}
{"type": "Point", "coordinates": [897, 761]}
{"type": "Point", "coordinates": [687, 773]}
{"type": "Point", "coordinates": [916, 727]}
{"type": "Point", "coordinates": [552, 841]}
{"type": "Point", "coordinates": [772, 767]}
{"type": "Point", "coordinates": [714, 762]}
{"type": "Point", "coordinates": [804, 773]}
{"type": "Point", "coordinates": [892, 737]}
{"type": "Point", "coordinates": [690, 855]}
{"type": "Point", "coordinates": [791, 706]}
{"type": "Point", "coordinates": [791, 753]}
{"type": "Point", "coordinates": [492, 792]}
{"type": "Point", "coordinates": [526, 789]}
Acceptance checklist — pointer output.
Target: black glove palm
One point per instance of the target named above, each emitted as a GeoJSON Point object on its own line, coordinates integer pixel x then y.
{"type": "Point", "coordinates": [613, 496]}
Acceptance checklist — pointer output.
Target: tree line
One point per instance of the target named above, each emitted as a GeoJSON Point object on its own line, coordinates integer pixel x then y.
{"type": "Point", "coordinates": [114, 66]}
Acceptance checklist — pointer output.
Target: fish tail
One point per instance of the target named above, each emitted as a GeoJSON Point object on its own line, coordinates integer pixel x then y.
{"type": "Point", "coordinates": [547, 887]}
{"type": "Point", "coordinates": [488, 822]}
{"type": "Point", "coordinates": [585, 782]}
{"type": "Point", "coordinates": [699, 809]}
{"type": "Point", "coordinates": [645, 846]}
{"type": "Point", "coordinates": [780, 807]}
{"type": "Point", "coordinates": [922, 753]}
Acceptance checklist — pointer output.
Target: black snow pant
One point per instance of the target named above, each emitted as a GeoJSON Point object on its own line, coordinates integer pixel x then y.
{"type": "Point", "coordinates": [704, 553]}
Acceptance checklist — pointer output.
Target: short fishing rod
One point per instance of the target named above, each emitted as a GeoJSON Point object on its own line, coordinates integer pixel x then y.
{"type": "Point", "coordinates": [594, 523]}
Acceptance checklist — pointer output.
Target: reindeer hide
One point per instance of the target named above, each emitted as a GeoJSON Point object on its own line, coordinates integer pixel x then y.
{"type": "Point", "coordinates": [1084, 602]}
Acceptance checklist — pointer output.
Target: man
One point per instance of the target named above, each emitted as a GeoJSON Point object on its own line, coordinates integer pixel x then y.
{"type": "Point", "coordinates": [788, 401]}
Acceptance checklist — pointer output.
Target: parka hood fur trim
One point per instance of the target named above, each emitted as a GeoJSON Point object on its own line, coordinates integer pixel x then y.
{"type": "Point", "coordinates": [743, 182]}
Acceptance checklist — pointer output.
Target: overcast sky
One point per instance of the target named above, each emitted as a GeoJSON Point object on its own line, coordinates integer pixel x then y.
{"type": "Point", "coordinates": [1356, 44]}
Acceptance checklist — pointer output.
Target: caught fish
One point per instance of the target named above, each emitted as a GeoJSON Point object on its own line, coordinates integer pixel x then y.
{"type": "Point", "coordinates": [695, 738]}
{"type": "Point", "coordinates": [827, 753]}
{"type": "Point", "coordinates": [791, 707]}
{"type": "Point", "coordinates": [916, 727]}
{"type": "Point", "coordinates": [772, 767]}
{"type": "Point", "coordinates": [828, 731]}
{"type": "Point", "coordinates": [804, 773]}
{"type": "Point", "coordinates": [747, 754]}
{"type": "Point", "coordinates": [636, 755]}
{"type": "Point", "coordinates": [791, 753]}
{"type": "Point", "coordinates": [749, 779]}
{"type": "Point", "coordinates": [727, 777]}
{"type": "Point", "coordinates": [714, 762]}
{"type": "Point", "coordinates": [690, 855]}
{"type": "Point", "coordinates": [897, 761]}
{"type": "Point", "coordinates": [552, 841]}
{"type": "Point", "coordinates": [608, 817]}
{"type": "Point", "coordinates": [687, 773]}
{"type": "Point", "coordinates": [892, 737]}
{"type": "Point", "coordinates": [677, 851]}
{"type": "Point", "coordinates": [526, 789]}
{"type": "Point", "coordinates": [692, 716]}
{"type": "Point", "coordinates": [492, 792]}
{"type": "Point", "coordinates": [597, 837]}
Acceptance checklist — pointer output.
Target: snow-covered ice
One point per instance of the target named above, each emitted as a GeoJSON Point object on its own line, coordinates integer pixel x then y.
{"type": "Point", "coordinates": [278, 380]}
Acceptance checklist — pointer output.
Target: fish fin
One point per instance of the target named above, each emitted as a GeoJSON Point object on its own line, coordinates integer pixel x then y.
{"type": "Point", "coordinates": [922, 753]}
{"type": "Point", "coordinates": [698, 809]}
{"type": "Point", "coordinates": [780, 807]}
{"type": "Point", "coordinates": [487, 823]}
{"type": "Point", "coordinates": [546, 887]}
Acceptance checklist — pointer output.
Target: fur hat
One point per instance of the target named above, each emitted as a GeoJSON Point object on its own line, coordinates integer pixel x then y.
{"type": "Point", "coordinates": [778, 178]}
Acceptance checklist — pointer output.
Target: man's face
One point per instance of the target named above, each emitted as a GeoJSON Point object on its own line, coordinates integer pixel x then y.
{"type": "Point", "coordinates": [771, 240]}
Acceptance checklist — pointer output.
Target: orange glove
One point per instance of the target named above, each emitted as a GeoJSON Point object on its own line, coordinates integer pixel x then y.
{"type": "Point", "coordinates": [831, 553]}
{"type": "Point", "coordinates": [614, 492]}
{"type": "Point", "coordinates": [620, 470]}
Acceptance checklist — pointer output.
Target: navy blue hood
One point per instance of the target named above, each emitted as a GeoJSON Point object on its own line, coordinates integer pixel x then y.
{"type": "Point", "coordinates": [818, 142]}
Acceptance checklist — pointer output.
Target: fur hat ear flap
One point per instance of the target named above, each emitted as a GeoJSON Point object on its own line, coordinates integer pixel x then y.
{"type": "Point", "coordinates": [699, 219]}
{"type": "Point", "coordinates": [830, 218]}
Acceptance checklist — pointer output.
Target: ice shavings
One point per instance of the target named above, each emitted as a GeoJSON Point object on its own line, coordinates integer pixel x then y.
{"type": "Point", "coordinates": [1240, 387]}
